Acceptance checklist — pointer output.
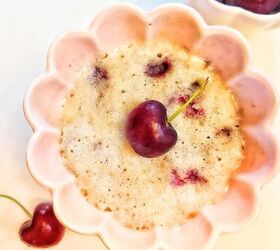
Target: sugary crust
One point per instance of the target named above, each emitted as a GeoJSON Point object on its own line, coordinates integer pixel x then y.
{"type": "Point", "coordinates": [140, 192]}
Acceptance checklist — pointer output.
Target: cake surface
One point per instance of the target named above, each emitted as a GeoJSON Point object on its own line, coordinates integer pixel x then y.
{"type": "Point", "coordinates": [142, 193]}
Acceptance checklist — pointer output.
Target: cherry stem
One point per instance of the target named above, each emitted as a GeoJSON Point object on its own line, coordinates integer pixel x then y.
{"type": "Point", "coordinates": [16, 202]}
{"type": "Point", "coordinates": [189, 101]}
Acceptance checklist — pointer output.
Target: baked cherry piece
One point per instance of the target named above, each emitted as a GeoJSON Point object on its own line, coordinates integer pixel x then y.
{"type": "Point", "coordinates": [99, 74]}
{"type": "Point", "coordinates": [158, 69]}
{"type": "Point", "coordinates": [191, 176]}
{"type": "Point", "coordinates": [147, 130]}
{"type": "Point", "coordinates": [44, 230]}
{"type": "Point", "coordinates": [194, 110]}
{"type": "Point", "coordinates": [257, 6]}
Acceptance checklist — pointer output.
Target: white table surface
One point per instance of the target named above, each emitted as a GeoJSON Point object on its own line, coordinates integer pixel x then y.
{"type": "Point", "coordinates": [26, 31]}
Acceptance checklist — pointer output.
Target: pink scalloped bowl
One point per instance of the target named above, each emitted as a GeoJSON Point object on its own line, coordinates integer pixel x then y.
{"type": "Point", "coordinates": [227, 51]}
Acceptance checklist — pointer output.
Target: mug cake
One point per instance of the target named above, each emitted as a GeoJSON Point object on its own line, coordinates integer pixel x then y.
{"type": "Point", "coordinates": [140, 192]}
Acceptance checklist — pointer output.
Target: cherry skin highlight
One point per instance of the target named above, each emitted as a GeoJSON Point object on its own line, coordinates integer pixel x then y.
{"type": "Point", "coordinates": [44, 230]}
{"type": "Point", "coordinates": [257, 6]}
{"type": "Point", "coordinates": [147, 130]}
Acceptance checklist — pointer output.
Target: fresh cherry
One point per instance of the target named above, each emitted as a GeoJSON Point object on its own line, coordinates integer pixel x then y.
{"type": "Point", "coordinates": [44, 230]}
{"type": "Point", "coordinates": [147, 130]}
{"type": "Point", "coordinates": [257, 6]}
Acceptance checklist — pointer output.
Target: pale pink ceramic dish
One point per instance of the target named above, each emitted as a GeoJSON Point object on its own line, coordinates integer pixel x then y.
{"type": "Point", "coordinates": [228, 53]}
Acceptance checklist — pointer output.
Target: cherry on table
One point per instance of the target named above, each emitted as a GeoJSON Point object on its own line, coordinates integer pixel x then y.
{"type": "Point", "coordinates": [44, 230]}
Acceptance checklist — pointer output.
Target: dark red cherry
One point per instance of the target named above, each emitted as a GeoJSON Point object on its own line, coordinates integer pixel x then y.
{"type": "Point", "coordinates": [44, 230]}
{"type": "Point", "coordinates": [257, 6]}
{"type": "Point", "coordinates": [147, 130]}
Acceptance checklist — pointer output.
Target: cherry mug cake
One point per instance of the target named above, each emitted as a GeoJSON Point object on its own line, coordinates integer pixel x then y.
{"type": "Point", "coordinates": [128, 157]}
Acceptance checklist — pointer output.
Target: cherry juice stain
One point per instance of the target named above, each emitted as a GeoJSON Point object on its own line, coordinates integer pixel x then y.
{"type": "Point", "coordinates": [226, 131]}
{"type": "Point", "coordinates": [194, 110]}
{"type": "Point", "coordinates": [99, 74]}
{"type": "Point", "coordinates": [191, 176]}
{"type": "Point", "coordinates": [158, 69]}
